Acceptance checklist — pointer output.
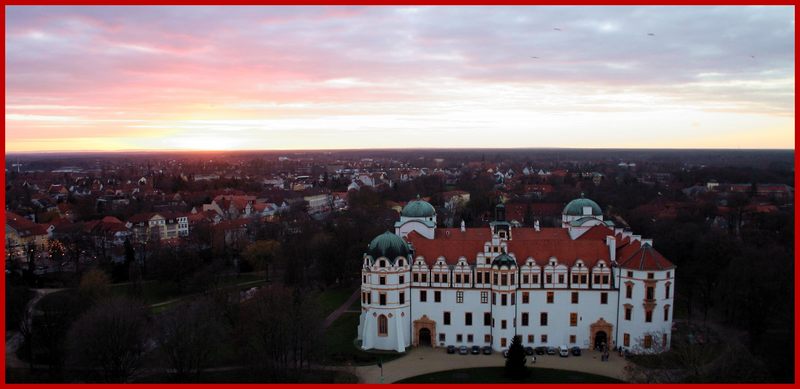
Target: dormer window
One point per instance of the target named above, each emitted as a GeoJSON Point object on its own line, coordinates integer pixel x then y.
{"type": "Point", "coordinates": [382, 263]}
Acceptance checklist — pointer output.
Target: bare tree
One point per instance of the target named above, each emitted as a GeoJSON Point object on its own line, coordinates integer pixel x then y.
{"type": "Point", "coordinates": [188, 336]}
{"type": "Point", "coordinates": [110, 338]}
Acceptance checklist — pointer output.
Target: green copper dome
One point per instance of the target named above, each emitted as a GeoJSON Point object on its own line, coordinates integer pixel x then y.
{"type": "Point", "coordinates": [388, 245]}
{"type": "Point", "coordinates": [575, 207]}
{"type": "Point", "coordinates": [504, 260]}
{"type": "Point", "coordinates": [418, 208]}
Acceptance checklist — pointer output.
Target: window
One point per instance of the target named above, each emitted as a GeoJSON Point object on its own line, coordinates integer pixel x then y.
{"type": "Point", "coordinates": [650, 276]}
{"type": "Point", "coordinates": [435, 278]}
{"type": "Point", "coordinates": [383, 326]}
{"type": "Point", "coordinates": [543, 338]}
{"type": "Point", "coordinates": [503, 299]}
{"type": "Point", "coordinates": [502, 342]}
{"type": "Point", "coordinates": [503, 324]}
{"type": "Point", "coordinates": [525, 279]}
{"type": "Point", "coordinates": [549, 279]}
{"type": "Point", "coordinates": [573, 339]}
{"type": "Point", "coordinates": [525, 318]}
{"type": "Point", "coordinates": [458, 278]}
{"type": "Point", "coordinates": [543, 319]}
{"type": "Point", "coordinates": [669, 274]}
{"type": "Point", "coordinates": [630, 274]}
{"type": "Point", "coordinates": [424, 277]}
{"type": "Point", "coordinates": [650, 294]}
{"type": "Point", "coordinates": [383, 280]}
{"type": "Point", "coordinates": [605, 280]}
{"type": "Point", "coordinates": [550, 297]}
{"type": "Point", "coordinates": [530, 338]}
{"type": "Point", "coordinates": [560, 278]}
{"type": "Point", "coordinates": [484, 297]}
{"type": "Point", "coordinates": [402, 297]}
{"type": "Point", "coordinates": [573, 319]}
{"type": "Point", "coordinates": [468, 318]}
{"type": "Point", "coordinates": [525, 297]}
{"type": "Point", "coordinates": [459, 338]}
{"type": "Point", "coordinates": [535, 279]}
{"type": "Point", "coordinates": [604, 298]}
{"type": "Point", "coordinates": [494, 278]}
{"type": "Point", "coordinates": [575, 278]}
{"type": "Point", "coordinates": [596, 279]}
{"type": "Point", "coordinates": [460, 296]}
{"type": "Point", "coordinates": [442, 337]}
{"type": "Point", "coordinates": [447, 318]}
{"type": "Point", "coordinates": [416, 277]}
{"type": "Point", "coordinates": [628, 313]}
{"type": "Point", "coordinates": [648, 316]}
{"type": "Point", "coordinates": [513, 298]}
{"type": "Point", "coordinates": [666, 294]}
{"type": "Point", "coordinates": [469, 338]}
{"type": "Point", "coordinates": [487, 338]}
{"type": "Point", "coordinates": [487, 319]}
{"type": "Point", "coordinates": [364, 279]}
{"type": "Point", "coordinates": [382, 298]}
{"type": "Point", "coordinates": [666, 313]}
{"type": "Point", "coordinates": [648, 341]}
{"type": "Point", "coordinates": [444, 278]}
{"type": "Point", "coordinates": [574, 297]}
{"type": "Point", "coordinates": [466, 278]}
{"type": "Point", "coordinates": [437, 296]}
{"type": "Point", "coordinates": [504, 279]}
{"type": "Point", "coordinates": [584, 278]}
{"type": "Point", "coordinates": [382, 263]}
{"type": "Point", "coordinates": [402, 280]}
{"type": "Point", "coordinates": [369, 298]}
{"type": "Point", "coordinates": [628, 291]}
{"type": "Point", "coordinates": [626, 340]}
{"type": "Point", "coordinates": [494, 298]}
{"type": "Point", "coordinates": [423, 296]}
{"type": "Point", "coordinates": [480, 277]}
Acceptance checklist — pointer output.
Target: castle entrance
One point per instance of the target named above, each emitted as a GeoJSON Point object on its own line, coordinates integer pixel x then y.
{"type": "Point", "coordinates": [425, 337]}
{"type": "Point", "coordinates": [424, 332]}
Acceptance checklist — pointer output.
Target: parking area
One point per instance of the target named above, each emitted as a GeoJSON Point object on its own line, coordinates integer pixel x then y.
{"type": "Point", "coordinates": [425, 360]}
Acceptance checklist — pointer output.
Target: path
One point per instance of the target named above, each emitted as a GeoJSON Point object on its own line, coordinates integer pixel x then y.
{"type": "Point", "coordinates": [339, 311]}
{"type": "Point", "coordinates": [423, 360]}
{"type": "Point", "coordinates": [14, 339]}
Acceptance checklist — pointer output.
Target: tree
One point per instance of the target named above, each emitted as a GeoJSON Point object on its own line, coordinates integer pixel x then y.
{"type": "Point", "coordinates": [110, 338]}
{"type": "Point", "coordinates": [261, 254]}
{"type": "Point", "coordinates": [515, 363]}
{"type": "Point", "coordinates": [188, 336]}
{"type": "Point", "coordinates": [94, 284]}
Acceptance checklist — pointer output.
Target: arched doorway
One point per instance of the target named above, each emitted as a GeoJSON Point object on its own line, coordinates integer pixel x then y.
{"type": "Point", "coordinates": [600, 340]}
{"type": "Point", "coordinates": [425, 337]}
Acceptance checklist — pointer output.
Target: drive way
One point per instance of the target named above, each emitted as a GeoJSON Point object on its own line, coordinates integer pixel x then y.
{"type": "Point", "coordinates": [423, 360]}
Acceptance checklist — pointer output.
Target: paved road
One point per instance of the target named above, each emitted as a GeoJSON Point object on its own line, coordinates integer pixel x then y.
{"type": "Point", "coordinates": [342, 309]}
{"type": "Point", "coordinates": [14, 339]}
{"type": "Point", "coordinates": [423, 360]}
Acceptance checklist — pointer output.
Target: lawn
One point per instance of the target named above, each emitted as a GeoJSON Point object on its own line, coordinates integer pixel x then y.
{"type": "Point", "coordinates": [246, 375]}
{"type": "Point", "coordinates": [333, 298]}
{"type": "Point", "coordinates": [340, 347]}
{"type": "Point", "coordinates": [495, 375]}
{"type": "Point", "coordinates": [155, 292]}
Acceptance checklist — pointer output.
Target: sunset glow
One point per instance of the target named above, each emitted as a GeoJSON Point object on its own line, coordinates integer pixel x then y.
{"type": "Point", "coordinates": [206, 78]}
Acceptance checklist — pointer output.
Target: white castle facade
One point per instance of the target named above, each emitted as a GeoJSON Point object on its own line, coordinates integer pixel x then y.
{"type": "Point", "coordinates": [585, 284]}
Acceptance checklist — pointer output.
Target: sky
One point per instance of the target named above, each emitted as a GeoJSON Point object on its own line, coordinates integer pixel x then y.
{"type": "Point", "coordinates": [103, 78]}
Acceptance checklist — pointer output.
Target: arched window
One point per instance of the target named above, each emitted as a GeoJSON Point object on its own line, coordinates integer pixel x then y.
{"type": "Point", "coordinates": [382, 263]}
{"type": "Point", "coordinates": [383, 326]}
{"type": "Point", "coordinates": [400, 262]}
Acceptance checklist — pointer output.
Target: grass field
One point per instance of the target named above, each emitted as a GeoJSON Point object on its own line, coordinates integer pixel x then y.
{"type": "Point", "coordinates": [340, 347]}
{"type": "Point", "coordinates": [333, 298]}
{"type": "Point", "coordinates": [495, 375]}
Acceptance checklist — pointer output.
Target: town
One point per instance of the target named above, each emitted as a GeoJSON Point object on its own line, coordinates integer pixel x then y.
{"type": "Point", "coordinates": [251, 264]}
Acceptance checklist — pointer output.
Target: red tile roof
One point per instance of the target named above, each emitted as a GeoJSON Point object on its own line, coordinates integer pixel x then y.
{"type": "Point", "coordinates": [645, 258]}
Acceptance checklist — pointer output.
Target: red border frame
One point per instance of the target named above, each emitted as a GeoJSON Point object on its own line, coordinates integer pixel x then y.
{"type": "Point", "coordinates": [394, 3]}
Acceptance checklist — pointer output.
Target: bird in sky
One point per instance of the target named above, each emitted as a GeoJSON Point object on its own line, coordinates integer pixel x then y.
{"type": "Point", "coordinates": [557, 29]}
{"type": "Point", "coordinates": [651, 34]}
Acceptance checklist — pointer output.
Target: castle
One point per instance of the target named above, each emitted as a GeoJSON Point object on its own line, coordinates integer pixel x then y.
{"type": "Point", "coordinates": [584, 284]}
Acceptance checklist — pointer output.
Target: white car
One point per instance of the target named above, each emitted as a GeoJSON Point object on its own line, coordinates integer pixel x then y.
{"type": "Point", "coordinates": [563, 350]}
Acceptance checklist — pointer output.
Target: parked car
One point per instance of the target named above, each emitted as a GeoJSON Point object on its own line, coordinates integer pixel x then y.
{"type": "Point", "coordinates": [505, 353]}
{"type": "Point", "coordinates": [576, 351]}
{"type": "Point", "coordinates": [476, 350]}
{"type": "Point", "coordinates": [487, 350]}
{"type": "Point", "coordinates": [463, 350]}
{"type": "Point", "coordinates": [551, 350]}
{"type": "Point", "coordinates": [541, 350]}
{"type": "Point", "coordinates": [563, 351]}
{"type": "Point", "coordinates": [451, 349]}
{"type": "Point", "coordinates": [528, 350]}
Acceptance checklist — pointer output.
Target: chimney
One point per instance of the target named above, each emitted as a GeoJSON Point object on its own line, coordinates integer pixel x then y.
{"type": "Point", "coordinates": [463, 226]}
{"type": "Point", "coordinates": [611, 242]}
{"type": "Point", "coordinates": [536, 225]}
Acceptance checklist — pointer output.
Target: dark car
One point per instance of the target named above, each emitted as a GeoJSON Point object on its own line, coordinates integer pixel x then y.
{"type": "Point", "coordinates": [487, 350]}
{"type": "Point", "coordinates": [576, 351]}
{"type": "Point", "coordinates": [551, 351]}
{"type": "Point", "coordinates": [451, 349]}
{"type": "Point", "coordinates": [528, 350]}
{"type": "Point", "coordinates": [463, 350]}
{"type": "Point", "coordinates": [475, 350]}
{"type": "Point", "coordinates": [541, 350]}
